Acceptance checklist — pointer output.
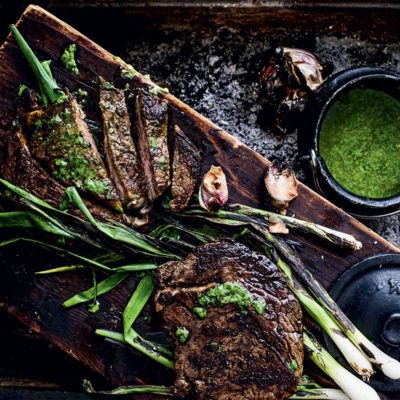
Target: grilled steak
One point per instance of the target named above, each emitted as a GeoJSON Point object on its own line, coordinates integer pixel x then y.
{"type": "Point", "coordinates": [20, 168]}
{"type": "Point", "coordinates": [236, 325]}
{"type": "Point", "coordinates": [123, 162]}
{"type": "Point", "coordinates": [152, 131]}
{"type": "Point", "coordinates": [186, 168]}
{"type": "Point", "coordinates": [62, 142]}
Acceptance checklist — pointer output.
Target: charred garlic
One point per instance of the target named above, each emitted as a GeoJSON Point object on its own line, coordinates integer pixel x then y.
{"type": "Point", "coordinates": [213, 192]}
{"type": "Point", "coordinates": [281, 185]}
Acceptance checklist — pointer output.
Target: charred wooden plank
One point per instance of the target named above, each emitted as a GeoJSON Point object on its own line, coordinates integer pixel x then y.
{"type": "Point", "coordinates": [36, 302]}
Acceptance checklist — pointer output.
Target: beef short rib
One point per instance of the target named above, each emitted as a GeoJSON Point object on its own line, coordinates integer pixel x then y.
{"type": "Point", "coordinates": [229, 351]}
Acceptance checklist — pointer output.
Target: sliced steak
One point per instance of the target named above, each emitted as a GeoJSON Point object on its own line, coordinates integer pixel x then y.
{"type": "Point", "coordinates": [125, 169]}
{"type": "Point", "coordinates": [20, 168]}
{"type": "Point", "coordinates": [61, 141]}
{"type": "Point", "coordinates": [186, 167]}
{"type": "Point", "coordinates": [152, 132]}
{"type": "Point", "coordinates": [247, 342]}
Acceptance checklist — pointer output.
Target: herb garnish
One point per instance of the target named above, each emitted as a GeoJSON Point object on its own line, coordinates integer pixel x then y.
{"type": "Point", "coordinates": [68, 58]}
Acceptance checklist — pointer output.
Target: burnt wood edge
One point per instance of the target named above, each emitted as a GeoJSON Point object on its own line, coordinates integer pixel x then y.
{"type": "Point", "coordinates": [205, 125]}
{"type": "Point", "coordinates": [246, 4]}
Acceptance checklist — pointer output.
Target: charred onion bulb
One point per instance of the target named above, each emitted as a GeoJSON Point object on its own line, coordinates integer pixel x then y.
{"type": "Point", "coordinates": [281, 185]}
{"type": "Point", "coordinates": [287, 80]}
{"type": "Point", "coordinates": [303, 66]}
{"type": "Point", "coordinates": [213, 192]}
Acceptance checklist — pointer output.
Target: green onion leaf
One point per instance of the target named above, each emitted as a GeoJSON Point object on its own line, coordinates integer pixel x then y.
{"type": "Point", "coordinates": [153, 389]}
{"type": "Point", "coordinates": [103, 287]}
{"type": "Point", "coordinates": [136, 303]}
{"type": "Point", "coordinates": [50, 87]}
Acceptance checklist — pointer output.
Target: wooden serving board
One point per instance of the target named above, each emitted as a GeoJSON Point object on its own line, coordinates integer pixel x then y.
{"type": "Point", "coordinates": [37, 301]}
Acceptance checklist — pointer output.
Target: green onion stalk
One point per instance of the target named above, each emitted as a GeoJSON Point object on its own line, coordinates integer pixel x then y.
{"type": "Point", "coordinates": [388, 365]}
{"type": "Point", "coordinates": [320, 394]}
{"type": "Point", "coordinates": [337, 238]}
{"type": "Point", "coordinates": [353, 355]}
{"type": "Point", "coordinates": [137, 389]}
{"type": "Point", "coordinates": [354, 388]}
{"type": "Point", "coordinates": [308, 389]}
{"type": "Point", "coordinates": [135, 305]}
{"type": "Point", "coordinates": [121, 236]}
{"type": "Point", "coordinates": [47, 82]}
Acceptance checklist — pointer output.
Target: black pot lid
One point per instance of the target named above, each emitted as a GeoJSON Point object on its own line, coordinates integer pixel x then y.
{"type": "Point", "coordinates": [369, 294]}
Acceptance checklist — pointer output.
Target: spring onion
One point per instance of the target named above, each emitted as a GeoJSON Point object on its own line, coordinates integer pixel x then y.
{"type": "Point", "coordinates": [329, 235]}
{"type": "Point", "coordinates": [351, 385]}
{"type": "Point", "coordinates": [123, 390]}
{"type": "Point", "coordinates": [49, 85]}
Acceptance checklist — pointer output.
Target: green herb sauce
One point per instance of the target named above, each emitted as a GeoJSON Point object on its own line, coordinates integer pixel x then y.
{"type": "Point", "coordinates": [359, 142]}
{"type": "Point", "coordinates": [200, 312]}
{"type": "Point", "coordinates": [293, 366]}
{"type": "Point", "coordinates": [182, 334]}
{"type": "Point", "coordinates": [68, 58]}
{"type": "Point", "coordinates": [74, 164]}
{"type": "Point", "coordinates": [231, 293]}
{"type": "Point", "coordinates": [128, 72]}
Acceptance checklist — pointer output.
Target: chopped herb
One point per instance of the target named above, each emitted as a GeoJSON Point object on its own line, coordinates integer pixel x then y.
{"type": "Point", "coordinates": [152, 142]}
{"type": "Point", "coordinates": [22, 89]}
{"type": "Point", "coordinates": [81, 95]}
{"type": "Point", "coordinates": [157, 90]}
{"type": "Point", "coordinates": [93, 307]}
{"type": "Point", "coordinates": [128, 72]}
{"type": "Point", "coordinates": [260, 305]}
{"type": "Point", "coordinates": [231, 293]}
{"type": "Point", "coordinates": [162, 161]}
{"type": "Point", "coordinates": [107, 85]}
{"type": "Point", "coordinates": [68, 58]}
{"type": "Point", "coordinates": [293, 366]}
{"type": "Point", "coordinates": [200, 312]}
{"type": "Point", "coordinates": [56, 120]}
{"type": "Point", "coordinates": [182, 334]}
{"type": "Point", "coordinates": [38, 124]}
{"type": "Point", "coordinates": [214, 346]}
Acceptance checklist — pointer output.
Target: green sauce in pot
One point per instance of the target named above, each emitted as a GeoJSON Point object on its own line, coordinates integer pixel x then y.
{"type": "Point", "coordinates": [360, 143]}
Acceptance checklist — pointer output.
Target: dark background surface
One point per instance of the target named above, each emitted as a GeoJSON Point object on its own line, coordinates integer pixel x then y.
{"type": "Point", "coordinates": [210, 58]}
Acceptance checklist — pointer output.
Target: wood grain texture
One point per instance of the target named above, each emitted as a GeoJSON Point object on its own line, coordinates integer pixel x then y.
{"type": "Point", "coordinates": [36, 301]}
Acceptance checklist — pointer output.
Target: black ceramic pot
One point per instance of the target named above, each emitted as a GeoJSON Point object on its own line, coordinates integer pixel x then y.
{"type": "Point", "coordinates": [308, 142]}
{"type": "Point", "coordinates": [369, 294]}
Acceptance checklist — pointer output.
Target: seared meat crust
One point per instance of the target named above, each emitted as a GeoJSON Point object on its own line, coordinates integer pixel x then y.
{"type": "Point", "coordinates": [186, 167]}
{"type": "Point", "coordinates": [152, 132]}
{"type": "Point", "coordinates": [232, 353]}
{"type": "Point", "coordinates": [61, 141]}
{"type": "Point", "coordinates": [123, 162]}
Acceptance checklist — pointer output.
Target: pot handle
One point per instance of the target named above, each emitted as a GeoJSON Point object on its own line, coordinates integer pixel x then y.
{"type": "Point", "coordinates": [314, 170]}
